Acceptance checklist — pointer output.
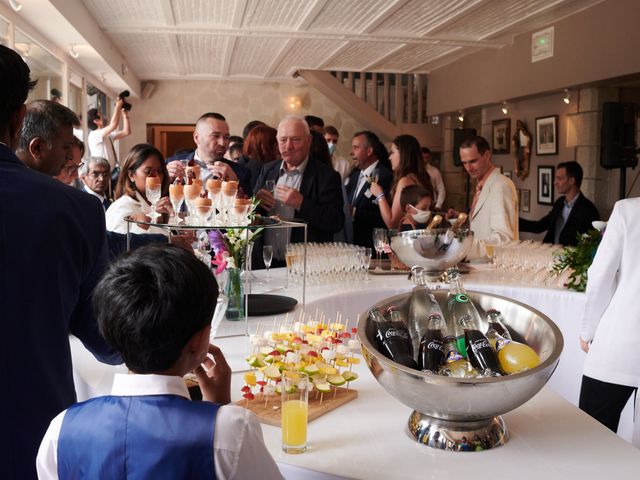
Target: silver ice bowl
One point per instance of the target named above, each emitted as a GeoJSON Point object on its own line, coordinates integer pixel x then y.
{"type": "Point", "coordinates": [434, 250]}
{"type": "Point", "coordinates": [450, 413]}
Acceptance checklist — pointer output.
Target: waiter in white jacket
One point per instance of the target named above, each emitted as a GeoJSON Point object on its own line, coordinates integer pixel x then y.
{"type": "Point", "coordinates": [610, 332]}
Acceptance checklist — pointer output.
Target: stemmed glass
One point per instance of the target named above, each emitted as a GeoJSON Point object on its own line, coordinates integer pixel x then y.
{"type": "Point", "coordinates": [267, 256]}
{"type": "Point", "coordinates": [176, 195]}
{"type": "Point", "coordinates": [379, 242]}
{"type": "Point", "coordinates": [153, 186]}
{"type": "Point", "coordinates": [375, 175]}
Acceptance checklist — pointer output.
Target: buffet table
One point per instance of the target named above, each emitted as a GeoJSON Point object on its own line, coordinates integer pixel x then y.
{"type": "Point", "coordinates": [367, 438]}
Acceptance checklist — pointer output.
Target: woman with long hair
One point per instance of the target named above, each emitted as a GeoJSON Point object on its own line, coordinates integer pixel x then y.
{"type": "Point", "coordinates": [142, 161]}
{"type": "Point", "coordinates": [260, 147]}
{"type": "Point", "coordinates": [408, 169]}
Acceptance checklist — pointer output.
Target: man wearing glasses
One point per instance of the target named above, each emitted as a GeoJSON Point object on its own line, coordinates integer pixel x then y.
{"type": "Point", "coordinates": [95, 175]}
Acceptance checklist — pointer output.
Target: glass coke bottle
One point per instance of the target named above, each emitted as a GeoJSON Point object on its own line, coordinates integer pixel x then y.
{"type": "Point", "coordinates": [393, 337]}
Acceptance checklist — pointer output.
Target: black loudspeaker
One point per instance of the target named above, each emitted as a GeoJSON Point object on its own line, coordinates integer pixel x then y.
{"type": "Point", "coordinates": [459, 136]}
{"type": "Point", "coordinates": [618, 135]}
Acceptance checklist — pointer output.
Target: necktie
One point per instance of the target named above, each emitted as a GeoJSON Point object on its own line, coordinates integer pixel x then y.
{"type": "Point", "coordinates": [358, 187]}
{"type": "Point", "coordinates": [105, 203]}
{"type": "Point", "coordinates": [475, 199]}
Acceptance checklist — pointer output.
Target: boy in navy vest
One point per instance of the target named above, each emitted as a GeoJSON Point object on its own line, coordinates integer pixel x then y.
{"type": "Point", "coordinates": [154, 306]}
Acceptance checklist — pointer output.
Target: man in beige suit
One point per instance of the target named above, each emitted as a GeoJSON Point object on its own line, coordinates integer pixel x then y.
{"type": "Point", "coordinates": [494, 211]}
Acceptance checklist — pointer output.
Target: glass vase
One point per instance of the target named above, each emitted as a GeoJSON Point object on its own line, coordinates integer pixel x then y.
{"type": "Point", "coordinates": [234, 291]}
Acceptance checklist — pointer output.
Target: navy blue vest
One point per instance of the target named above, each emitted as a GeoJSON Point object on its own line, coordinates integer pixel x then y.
{"type": "Point", "coordinates": [140, 437]}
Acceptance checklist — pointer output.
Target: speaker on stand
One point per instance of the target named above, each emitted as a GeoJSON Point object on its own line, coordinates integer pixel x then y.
{"type": "Point", "coordinates": [618, 139]}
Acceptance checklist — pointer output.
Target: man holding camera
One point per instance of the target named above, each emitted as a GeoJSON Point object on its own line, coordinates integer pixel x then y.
{"type": "Point", "coordinates": [101, 136]}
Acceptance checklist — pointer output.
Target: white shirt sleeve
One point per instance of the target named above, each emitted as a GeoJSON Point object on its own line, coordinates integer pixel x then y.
{"type": "Point", "coordinates": [438, 185]}
{"type": "Point", "coordinates": [47, 458]}
{"type": "Point", "coordinates": [239, 450]}
{"type": "Point", "coordinates": [602, 275]}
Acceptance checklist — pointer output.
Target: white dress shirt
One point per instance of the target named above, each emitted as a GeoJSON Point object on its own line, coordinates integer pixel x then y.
{"type": "Point", "coordinates": [438, 186]}
{"type": "Point", "coordinates": [239, 451]}
{"type": "Point", "coordinates": [127, 206]}
{"type": "Point", "coordinates": [362, 179]}
{"type": "Point", "coordinates": [103, 147]}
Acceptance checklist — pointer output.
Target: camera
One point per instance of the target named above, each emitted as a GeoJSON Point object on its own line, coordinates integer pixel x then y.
{"type": "Point", "coordinates": [122, 95]}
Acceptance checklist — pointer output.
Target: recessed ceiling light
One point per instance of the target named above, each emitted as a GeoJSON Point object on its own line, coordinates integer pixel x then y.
{"type": "Point", "coordinates": [17, 6]}
{"type": "Point", "coordinates": [73, 52]}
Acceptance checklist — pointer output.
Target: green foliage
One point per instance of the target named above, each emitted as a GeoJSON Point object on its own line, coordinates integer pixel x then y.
{"type": "Point", "coordinates": [578, 260]}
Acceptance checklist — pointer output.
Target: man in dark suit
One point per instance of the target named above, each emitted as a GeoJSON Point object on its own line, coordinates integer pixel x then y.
{"type": "Point", "coordinates": [212, 141]}
{"type": "Point", "coordinates": [571, 214]}
{"type": "Point", "coordinates": [305, 189]}
{"type": "Point", "coordinates": [52, 253]}
{"type": "Point", "coordinates": [365, 212]}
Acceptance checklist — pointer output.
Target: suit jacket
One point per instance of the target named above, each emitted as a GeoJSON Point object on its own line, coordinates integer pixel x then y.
{"type": "Point", "coordinates": [495, 217]}
{"type": "Point", "coordinates": [612, 311]}
{"type": "Point", "coordinates": [243, 174]}
{"type": "Point", "coordinates": [367, 215]}
{"type": "Point", "coordinates": [322, 204]}
{"type": "Point", "coordinates": [579, 221]}
{"type": "Point", "coordinates": [53, 250]}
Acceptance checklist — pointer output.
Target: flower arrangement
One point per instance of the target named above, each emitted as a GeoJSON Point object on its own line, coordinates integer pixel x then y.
{"type": "Point", "coordinates": [578, 259]}
{"type": "Point", "coordinates": [228, 248]}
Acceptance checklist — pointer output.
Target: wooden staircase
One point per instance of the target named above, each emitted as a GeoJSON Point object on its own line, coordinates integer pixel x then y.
{"type": "Point", "coordinates": [387, 103]}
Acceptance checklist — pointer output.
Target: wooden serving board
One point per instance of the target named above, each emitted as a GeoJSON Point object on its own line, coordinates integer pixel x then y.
{"type": "Point", "coordinates": [271, 415]}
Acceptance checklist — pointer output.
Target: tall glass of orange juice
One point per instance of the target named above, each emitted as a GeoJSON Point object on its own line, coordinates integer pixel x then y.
{"type": "Point", "coordinates": [295, 408]}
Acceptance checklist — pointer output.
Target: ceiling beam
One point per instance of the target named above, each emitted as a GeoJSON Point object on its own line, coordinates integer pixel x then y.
{"type": "Point", "coordinates": [311, 14]}
{"type": "Point", "coordinates": [294, 34]}
{"type": "Point", "coordinates": [174, 47]}
{"type": "Point", "coordinates": [76, 13]}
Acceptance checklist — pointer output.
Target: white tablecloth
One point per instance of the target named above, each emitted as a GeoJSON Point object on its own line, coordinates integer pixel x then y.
{"type": "Point", "coordinates": [367, 438]}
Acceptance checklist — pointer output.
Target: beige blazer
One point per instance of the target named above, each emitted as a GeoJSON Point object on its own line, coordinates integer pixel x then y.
{"type": "Point", "coordinates": [494, 220]}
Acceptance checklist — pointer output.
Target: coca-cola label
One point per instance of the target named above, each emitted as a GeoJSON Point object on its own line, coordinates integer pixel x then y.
{"type": "Point", "coordinates": [435, 345]}
{"type": "Point", "coordinates": [480, 344]}
{"type": "Point", "coordinates": [394, 332]}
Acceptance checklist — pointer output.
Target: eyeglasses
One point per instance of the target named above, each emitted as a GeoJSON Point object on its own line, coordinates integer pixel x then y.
{"type": "Point", "coordinates": [95, 175]}
{"type": "Point", "coordinates": [73, 168]}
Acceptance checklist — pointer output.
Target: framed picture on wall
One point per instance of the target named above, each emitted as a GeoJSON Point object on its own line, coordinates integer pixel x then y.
{"type": "Point", "coordinates": [545, 185]}
{"type": "Point", "coordinates": [501, 134]}
{"type": "Point", "coordinates": [547, 135]}
{"type": "Point", "coordinates": [525, 200]}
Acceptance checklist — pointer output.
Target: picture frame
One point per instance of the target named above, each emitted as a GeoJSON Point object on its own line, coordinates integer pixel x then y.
{"type": "Point", "coordinates": [501, 135]}
{"type": "Point", "coordinates": [525, 200]}
{"type": "Point", "coordinates": [545, 185]}
{"type": "Point", "coordinates": [547, 135]}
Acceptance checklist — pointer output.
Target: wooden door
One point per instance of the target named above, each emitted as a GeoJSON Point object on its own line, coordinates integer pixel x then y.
{"type": "Point", "coordinates": [169, 138]}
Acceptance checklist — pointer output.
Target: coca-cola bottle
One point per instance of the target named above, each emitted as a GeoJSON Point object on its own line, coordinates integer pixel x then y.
{"type": "Point", "coordinates": [393, 337]}
{"type": "Point", "coordinates": [431, 355]}
{"type": "Point", "coordinates": [479, 351]}
{"type": "Point", "coordinates": [422, 305]}
{"type": "Point", "coordinates": [455, 365]}
{"type": "Point", "coordinates": [459, 305]}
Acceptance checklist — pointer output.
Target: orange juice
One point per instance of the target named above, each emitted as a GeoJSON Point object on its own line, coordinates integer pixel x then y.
{"type": "Point", "coordinates": [294, 424]}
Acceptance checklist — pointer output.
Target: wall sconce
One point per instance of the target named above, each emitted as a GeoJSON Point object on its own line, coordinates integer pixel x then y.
{"type": "Point", "coordinates": [461, 115]}
{"type": "Point", "coordinates": [567, 96]}
{"type": "Point", "coordinates": [294, 102]}
{"type": "Point", "coordinates": [435, 120]}
{"type": "Point", "coordinates": [103, 78]}
{"type": "Point", "coordinates": [72, 51]}
{"type": "Point", "coordinates": [505, 110]}
{"type": "Point", "coordinates": [17, 6]}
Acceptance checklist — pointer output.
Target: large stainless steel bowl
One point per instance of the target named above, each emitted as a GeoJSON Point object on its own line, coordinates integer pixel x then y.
{"type": "Point", "coordinates": [450, 412]}
{"type": "Point", "coordinates": [434, 250]}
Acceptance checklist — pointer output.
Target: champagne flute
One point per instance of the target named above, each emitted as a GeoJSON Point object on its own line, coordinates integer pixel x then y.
{"type": "Point", "coordinates": [267, 256]}
{"type": "Point", "coordinates": [379, 241]}
{"type": "Point", "coordinates": [375, 175]}
{"type": "Point", "coordinates": [153, 186]}
{"type": "Point", "coordinates": [176, 195]}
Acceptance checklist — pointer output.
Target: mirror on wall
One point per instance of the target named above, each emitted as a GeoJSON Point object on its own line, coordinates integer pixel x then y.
{"type": "Point", "coordinates": [45, 68]}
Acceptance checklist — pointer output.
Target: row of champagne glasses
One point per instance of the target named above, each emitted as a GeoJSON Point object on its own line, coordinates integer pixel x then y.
{"type": "Point", "coordinates": [327, 262]}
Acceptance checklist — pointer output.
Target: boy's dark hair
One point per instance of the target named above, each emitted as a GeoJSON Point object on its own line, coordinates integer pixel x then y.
{"type": "Point", "coordinates": [151, 302]}
{"type": "Point", "coordinates": [312, 121]}
{"type": "Point", "coordinates": [412, 195]}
